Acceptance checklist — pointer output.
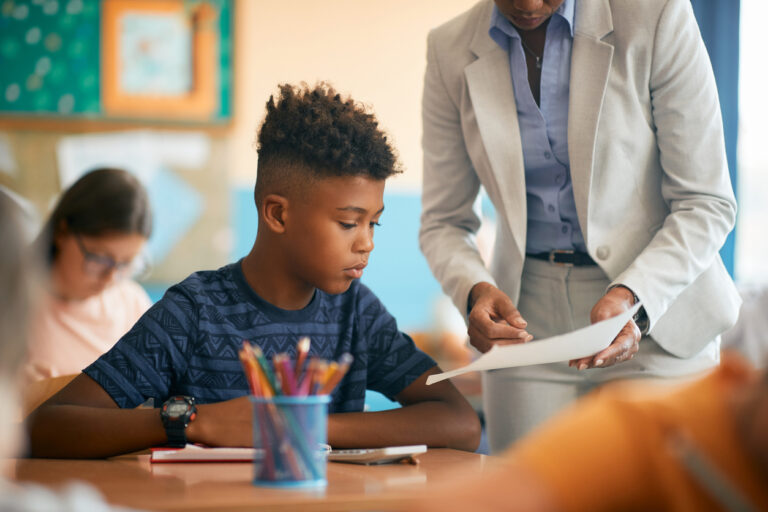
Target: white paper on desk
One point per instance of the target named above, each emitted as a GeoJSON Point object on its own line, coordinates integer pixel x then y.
{"type": "Point", "coordinates": [574, 345]}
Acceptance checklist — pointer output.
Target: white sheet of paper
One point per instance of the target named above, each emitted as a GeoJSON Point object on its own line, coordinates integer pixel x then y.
{"type": "Point", "coordinates": [574, 345]}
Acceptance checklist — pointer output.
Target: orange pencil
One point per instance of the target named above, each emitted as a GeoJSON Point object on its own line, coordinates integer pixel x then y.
{"type": "Point", "coordinates": [250, 367]}
{"type": "Point", "coordinates": [334, 378]}
{"type": "Point", "coordinates": [266, 386]}
{"type": "Point", "coordinates": [266, 370]}
{"type": "Point", "coordinates": [319, 376]}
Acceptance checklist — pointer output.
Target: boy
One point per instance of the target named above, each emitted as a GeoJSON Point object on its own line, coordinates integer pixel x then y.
{"type": "Point", "coordinates": [321, 172]}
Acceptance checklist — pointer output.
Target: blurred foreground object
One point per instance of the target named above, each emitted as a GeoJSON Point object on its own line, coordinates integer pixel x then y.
{"type": "Point", "coordinates": [698, 446]}
{"type": "Point", "coordinates": [748, 335]}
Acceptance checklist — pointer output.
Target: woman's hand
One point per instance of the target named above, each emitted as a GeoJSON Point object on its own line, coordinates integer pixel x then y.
{"type": "Point", "coordinates": [626, 344]}
{"type": "Point", "coordinates": [494, 319]}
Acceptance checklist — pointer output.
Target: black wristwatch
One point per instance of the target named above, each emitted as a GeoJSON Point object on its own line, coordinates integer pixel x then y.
{"type": "Point", "coordinates": [177, 412]}
{"type": "Point", "coordinates": [641, 317]}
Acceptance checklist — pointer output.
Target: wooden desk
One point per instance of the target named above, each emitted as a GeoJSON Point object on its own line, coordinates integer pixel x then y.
{"type": "Point", "coordinates": [132, 481]}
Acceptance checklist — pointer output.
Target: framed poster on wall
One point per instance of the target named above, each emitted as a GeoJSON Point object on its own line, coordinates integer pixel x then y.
{"type": "Point", "coordinates": [111, 63]}
{"type": "Point", "coordinates": [158, 58]}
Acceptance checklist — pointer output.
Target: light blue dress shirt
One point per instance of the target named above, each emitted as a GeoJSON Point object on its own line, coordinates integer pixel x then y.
{"type": "Point", "coordinates": [552, 219]}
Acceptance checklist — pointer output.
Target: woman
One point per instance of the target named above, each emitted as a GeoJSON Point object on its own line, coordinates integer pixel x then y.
{"type": "Point", "coordinates": [594, 126]}
{"type": "Point", "coordinates": [92, 244]}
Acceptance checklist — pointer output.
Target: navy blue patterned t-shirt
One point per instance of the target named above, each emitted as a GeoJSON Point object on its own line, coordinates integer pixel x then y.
{"type": "Point", "coordinates": [187, 343]}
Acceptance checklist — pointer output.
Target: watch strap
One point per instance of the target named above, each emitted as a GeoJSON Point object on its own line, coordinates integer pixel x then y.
{"type": "Point", "coordinates": [177, 434]}
{"type": "Point", "coordinates": [640, 317]}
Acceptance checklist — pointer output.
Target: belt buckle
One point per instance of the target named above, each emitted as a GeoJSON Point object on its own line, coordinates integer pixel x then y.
{"type": "Point", "coordinates": [560, 251]}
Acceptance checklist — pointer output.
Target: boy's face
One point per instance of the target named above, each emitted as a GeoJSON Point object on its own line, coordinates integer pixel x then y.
{"type": "Point", "coordinates": [329, 231]}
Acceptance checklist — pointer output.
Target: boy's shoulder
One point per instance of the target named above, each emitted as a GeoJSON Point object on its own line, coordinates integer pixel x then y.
{"type": "Point", "coordinates": [222, 281]}
{"type": "Point", "coordinates": [207, 278]}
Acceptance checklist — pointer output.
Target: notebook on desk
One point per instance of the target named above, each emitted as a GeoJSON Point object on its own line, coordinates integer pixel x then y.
{"type": "Point", "coordinates": [196, 453]}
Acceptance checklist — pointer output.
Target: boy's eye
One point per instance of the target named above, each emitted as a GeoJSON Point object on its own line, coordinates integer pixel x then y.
{"type": "Point", "coordinates": [346, 225]}
{"type": "Point", "coordinates": [375, 223]}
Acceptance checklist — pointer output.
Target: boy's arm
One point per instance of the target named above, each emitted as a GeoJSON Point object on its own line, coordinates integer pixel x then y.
{"type": "Point", "coordinates": [436, 415]}
{"type": "Point", "coordinates": [83, 421]}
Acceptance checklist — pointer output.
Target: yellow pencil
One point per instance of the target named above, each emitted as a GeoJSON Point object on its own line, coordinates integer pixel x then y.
{"type": "Point", "coordinates": [340, 370]}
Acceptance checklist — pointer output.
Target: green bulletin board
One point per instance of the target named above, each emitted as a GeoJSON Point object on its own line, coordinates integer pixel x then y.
{"type": "Point", "coordinates": [50, 59]}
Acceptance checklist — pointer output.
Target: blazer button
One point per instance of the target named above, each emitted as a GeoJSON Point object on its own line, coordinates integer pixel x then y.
{"type": "Point", "coordinates": [603, 252]}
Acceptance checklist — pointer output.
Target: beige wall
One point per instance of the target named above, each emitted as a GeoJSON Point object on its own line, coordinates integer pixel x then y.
{"type": "Point", "coordinates": [373, 50]}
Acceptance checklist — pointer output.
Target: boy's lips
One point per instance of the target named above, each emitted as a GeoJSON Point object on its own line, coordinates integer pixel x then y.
{"type": "Point", "coordinates": [355, 272]}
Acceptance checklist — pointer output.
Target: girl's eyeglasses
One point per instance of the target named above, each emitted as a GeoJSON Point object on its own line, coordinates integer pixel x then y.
{"type": "Point", "coordinates": [98, 265]}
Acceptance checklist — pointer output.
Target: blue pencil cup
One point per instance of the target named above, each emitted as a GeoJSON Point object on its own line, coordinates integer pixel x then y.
{"type": "Point", "coordinates": [291, 433]}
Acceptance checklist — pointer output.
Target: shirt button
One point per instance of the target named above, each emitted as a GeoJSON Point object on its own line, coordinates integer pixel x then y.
{"type": "Point", "coordinates": [547, 155]}
{"type": "Point", "coordinates": [565, 229]}
{"type": "Point", "coordinates": [559, 178]}
{"type": "Point", "coordinates": [551, 208]}
{"type": "Point", "coordinates": [603, 252]}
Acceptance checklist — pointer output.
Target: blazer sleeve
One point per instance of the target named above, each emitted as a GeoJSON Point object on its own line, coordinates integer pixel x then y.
{"type": "Point", "coordinates": [450, 216]}
{"type": "Point", "coordinates": [695, 183]}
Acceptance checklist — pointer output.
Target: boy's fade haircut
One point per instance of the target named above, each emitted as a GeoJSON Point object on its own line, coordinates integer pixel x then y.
{"type": "Point", "coordinates": [316, 133]}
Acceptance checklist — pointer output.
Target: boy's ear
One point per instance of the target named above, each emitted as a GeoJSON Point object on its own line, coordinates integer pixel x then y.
{"type": "Point", "coordinates": [274, 212]}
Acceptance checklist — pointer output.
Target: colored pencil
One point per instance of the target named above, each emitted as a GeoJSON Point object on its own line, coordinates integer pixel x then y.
{"type": "Point", "coordinates": [302, 349]}
{"type": "Point", "coordinates": [335, 377]}
{"type": "Point", "coordinates": [284, 437]}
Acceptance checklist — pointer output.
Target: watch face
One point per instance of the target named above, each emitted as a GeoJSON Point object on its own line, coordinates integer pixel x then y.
{"type": "Point", "coordinates": [177, 409]}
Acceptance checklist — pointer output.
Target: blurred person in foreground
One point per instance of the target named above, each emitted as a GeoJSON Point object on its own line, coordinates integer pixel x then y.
{"type": "Point", "coordinates": [17, 295]}
{"type": "Point", "coordinates": [698, 446]}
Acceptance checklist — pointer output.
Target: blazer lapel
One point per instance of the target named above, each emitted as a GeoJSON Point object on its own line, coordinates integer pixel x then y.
{"type": "Point", "coordinates": [590, 67]}
{"type": "Point", "coordinates": [493, 101]}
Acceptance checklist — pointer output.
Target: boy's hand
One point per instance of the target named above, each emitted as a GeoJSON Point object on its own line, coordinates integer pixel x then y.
{"type": "Point", "coordinates": [228, 423]}
{"type": "Point", "coordinates": [494, 319]}
{"type": "Point", "coordinates": [626, 344]}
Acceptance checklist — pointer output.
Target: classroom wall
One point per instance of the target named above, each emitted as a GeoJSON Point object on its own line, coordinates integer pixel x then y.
{"type": "Point", "coordinates": [375, 51]}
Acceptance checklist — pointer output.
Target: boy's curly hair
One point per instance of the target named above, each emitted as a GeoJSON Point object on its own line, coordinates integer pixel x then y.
{"type": "Point", "coordinates": [324, 133]}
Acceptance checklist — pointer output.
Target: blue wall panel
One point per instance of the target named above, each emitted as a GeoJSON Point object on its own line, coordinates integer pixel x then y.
{"type": "Point", "coordinates": [719, 24]}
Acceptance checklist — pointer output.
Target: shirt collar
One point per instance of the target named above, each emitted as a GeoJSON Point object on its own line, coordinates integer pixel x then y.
{"type": "Point", "coordinates": [501, 29]}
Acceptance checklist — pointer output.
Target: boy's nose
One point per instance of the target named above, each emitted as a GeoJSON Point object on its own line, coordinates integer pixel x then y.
{"type": "Point", "coordinates": [365, 242]}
